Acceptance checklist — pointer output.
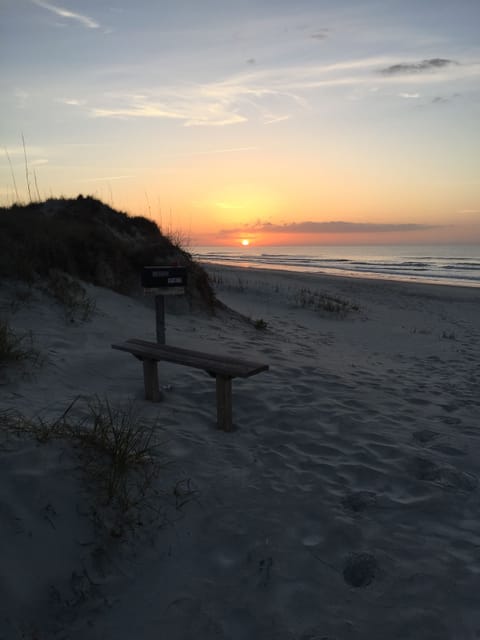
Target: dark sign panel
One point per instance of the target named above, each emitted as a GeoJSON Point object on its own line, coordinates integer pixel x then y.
{"type": "Point", "coordinates": [164, 277]}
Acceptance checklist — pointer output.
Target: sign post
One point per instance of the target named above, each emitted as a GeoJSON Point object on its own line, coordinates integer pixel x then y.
{"type": "Point", "coordinates": [162, 281]}
{"type": "Point", "coordinates": [160, 318]}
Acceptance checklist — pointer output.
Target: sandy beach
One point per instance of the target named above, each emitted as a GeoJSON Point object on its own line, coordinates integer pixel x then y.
{"type": "Point", "coordinates": [343, 505]}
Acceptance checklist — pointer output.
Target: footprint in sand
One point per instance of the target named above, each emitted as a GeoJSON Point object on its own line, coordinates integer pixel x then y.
{"type": "Point", "coordinates": [425, 435]}
{"type": "Point", "coordinates": [360, 569]}
{"type": "Point", "coordinates": [264, 571]}
{"type": "Point", "coordinates": [446, 477]}
{"type": "Point", "coordinates": [358, 501]}
{"type": "Point", "coordinates": [448, 450]}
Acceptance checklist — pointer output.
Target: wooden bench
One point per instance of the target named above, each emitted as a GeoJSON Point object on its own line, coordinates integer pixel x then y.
{"type": "Point", "coordinates": [222, 368]}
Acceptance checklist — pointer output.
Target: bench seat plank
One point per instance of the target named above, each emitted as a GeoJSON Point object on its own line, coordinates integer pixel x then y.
{"type": "Point", "coordinates": [223, 368]}
{"type": "Point", "coordinates": [222, 365]}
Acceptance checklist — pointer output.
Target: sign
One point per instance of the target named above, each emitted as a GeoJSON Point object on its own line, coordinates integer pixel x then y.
{"type": "Point", "coordinates": [165, 279]}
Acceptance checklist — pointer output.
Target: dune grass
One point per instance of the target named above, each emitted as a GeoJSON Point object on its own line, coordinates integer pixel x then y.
{"type": "Point", "coordinates": [77, 305]}
{"type": "Point", "coordinates": [15, 347]}
{"type": "Point", "coordinates": [120, 456]}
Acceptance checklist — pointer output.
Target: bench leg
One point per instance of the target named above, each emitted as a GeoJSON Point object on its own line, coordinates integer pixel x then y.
{"type": "Point", "coordinates": [224, 402]}
{"type": "Point", "coordinates": [150, 380]}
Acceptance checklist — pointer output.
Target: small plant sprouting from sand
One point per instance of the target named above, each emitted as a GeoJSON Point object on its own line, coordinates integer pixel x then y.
{"type": "Point", "coordinates": [449, 335]}
{"type": "Point", "coordinates": [422, 331]}
{"type": "Point", "coordinates": [260, 324]}
{"type": "Point", "coordinates": [15, 347]}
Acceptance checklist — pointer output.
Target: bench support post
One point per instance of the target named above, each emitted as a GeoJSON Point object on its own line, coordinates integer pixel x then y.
{"type": "Point", "coordinates": [224, 402]}
{"type": "Point", "coordinates": [150, 380]}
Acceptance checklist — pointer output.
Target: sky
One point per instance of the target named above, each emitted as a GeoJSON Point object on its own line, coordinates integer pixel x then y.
{"type": "Point", "coordinates": [277, 122]}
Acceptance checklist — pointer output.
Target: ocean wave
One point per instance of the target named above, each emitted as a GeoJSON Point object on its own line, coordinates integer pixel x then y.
{"type": "Point", "coordinates": [438, 268]}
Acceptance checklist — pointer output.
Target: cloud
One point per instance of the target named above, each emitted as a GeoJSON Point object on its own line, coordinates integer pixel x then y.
{"type": "Point", "coordinates": [121, 177]}
{"type": "Point", "coordinates": [274, 119]}
{"type": "Point", "coordinates": [18, 151]}
{"type": "Point", "coordinates": [22, 98]}
{"type": "Point", "coordinates": [72, 102]}
{"type": "Point", "coordinates": [321, 34]}
{"type": "Point", "coordinates": [418, 67]}
{"type": "Point", "coordinates": [268, 94]}
{"type": "Point", "coordinates": [138, 109]}
{"type": "Point", "coordinates": [65, 13]}
{"type": "Point", "coordinates": [209, 121]}
{"type": "Point", "coordinates": [229, 205]}
{"type": "Point", "coordinates": [326, 227]}
{"type": "Point", "coordinates": [212, 115]}
{"type": "Point", "coordinates": [409, 96]}
{"type": "Point", "coordinates": [439, 100]}
{"type": "Point", "coordinates": [263, 94]}
{"type": "Point", "coordinates": [251, 61]}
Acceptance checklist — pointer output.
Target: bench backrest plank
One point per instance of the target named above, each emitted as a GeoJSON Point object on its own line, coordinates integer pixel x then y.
{"type": "Point", "coordinates": [222, 365]}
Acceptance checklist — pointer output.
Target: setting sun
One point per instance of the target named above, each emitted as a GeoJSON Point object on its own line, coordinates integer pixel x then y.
{"type": "Point", "coordinates": [245, 242]}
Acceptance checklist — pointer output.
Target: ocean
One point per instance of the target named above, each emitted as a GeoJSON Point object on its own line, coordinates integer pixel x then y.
{"type": "Point", "coordinates": [445, 264]}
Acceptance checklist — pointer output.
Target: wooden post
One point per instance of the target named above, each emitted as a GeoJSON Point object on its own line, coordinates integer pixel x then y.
{"type": "Point", "coordinates": [160, 318]}
{"type": "Point", "coordinates": [150, 380]}
{"type": "Point", "coordinates": [224, 402]}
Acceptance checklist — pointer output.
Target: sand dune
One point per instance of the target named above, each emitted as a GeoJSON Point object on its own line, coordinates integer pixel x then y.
{"type": "Point", "coordinates": [344, 504]}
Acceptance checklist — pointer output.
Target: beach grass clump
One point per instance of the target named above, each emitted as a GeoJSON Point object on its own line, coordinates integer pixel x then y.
{"type": "Point", "coordinates": [323, 302]}
{"type": "Point", "coordinates": [15, 347]}
{"type": "Point", "coordinates": [119, 454]}
{"type": "Point", "coordinates": [77, 305]}
{"type": "Point", "coordinates": [120, 438]}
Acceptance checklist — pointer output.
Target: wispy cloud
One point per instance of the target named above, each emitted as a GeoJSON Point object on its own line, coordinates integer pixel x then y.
{"type": "Point", "coordinates": [325, 227]}
{"type": "Point", "coordinates": [409, 96]}
{"type": "Point", "coordinates": [72, 102]}
{"type": "Point", "coordinates": [229, 205]}
{"type": "Point", "coordinates": [214, 114]}
{"type": "Point", "coordinates": [138, 109]}
{"type": "Point", "coordinates": [271, 95]}
{"type": "Point", "coordinates": [17, 151]}
{"type": "Point", "coordinates": [275, 119]}
{"type": "Point", "coordinates": [215, 151]}
{"type": "Point", "coordinates": [320, 34]}
{"type": "Point", "coordinates": [102, 179]}
{"type": "Point", "coordinates": [65, 13]}
{"type": "Point", "coordinates": [22, 98]}
{"type": "Point", "coordinates": [418, 67]}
